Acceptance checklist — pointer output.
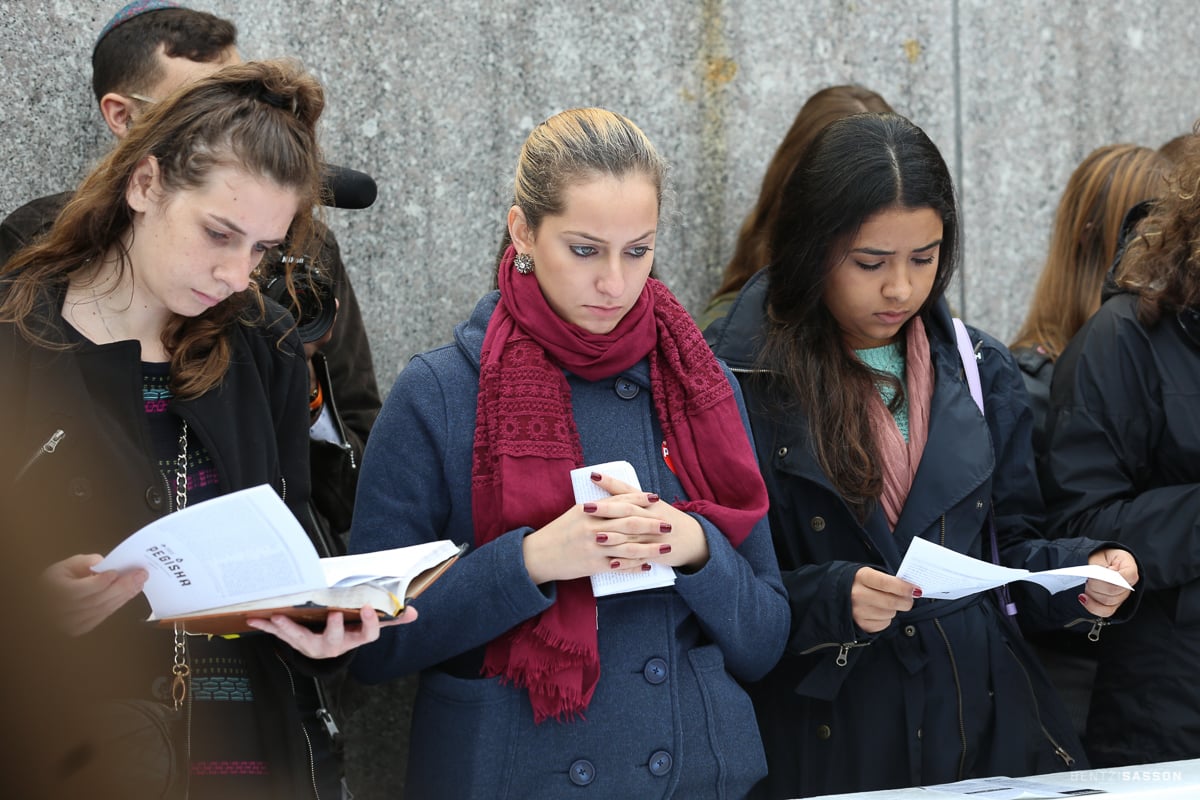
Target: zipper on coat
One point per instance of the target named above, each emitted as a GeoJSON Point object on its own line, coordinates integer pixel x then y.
{"type": "Point", "coordinates": [844, 648]}
{"type": "Point", "coordinates": [312, 766]}
{"type": "Point", "coordinates": [1066, 757]}
{"type": "Point", "coordinates": [48, 447]}
{"type": "Point", "coordinates": [1097, 625]}
{"type": "Point", "coordinates": [962, 728]}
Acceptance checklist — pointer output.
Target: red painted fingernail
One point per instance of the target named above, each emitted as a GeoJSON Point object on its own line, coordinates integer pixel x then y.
{"type": "Point", "coordinates": [601, 537]}
{"type": "Point", "coordinates": [1083, 599]}
{"type": "Point", "coordinates": [652, 498]}
{"type": "Point", "coordinates": [664, 549]}
{"type": "Point", "coordinates": [665, 527]}
{"type": "Point", "coordinates": [646, 568]}
{"type": "Point", "coordinates": [917, 592]}
{"type": "Point", "coordinates": [596, 476]}
{"type": "Point", "coordinates": [614, 564]}
{"type": "Point", "coordinates": [589, 508]}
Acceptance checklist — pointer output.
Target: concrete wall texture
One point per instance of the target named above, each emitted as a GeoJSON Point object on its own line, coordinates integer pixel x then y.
{"type": "Point", "coordinates": [434, 99]}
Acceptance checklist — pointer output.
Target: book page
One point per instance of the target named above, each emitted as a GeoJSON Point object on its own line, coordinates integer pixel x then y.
{"type": "Point", "coordinates": [241, 546]}
{"type": "Point", "coordinates": [606, 583]}
{"type": "Point", "coordinates": [382, 565]}
{"type": "Point", "coordinates": [944, 574]}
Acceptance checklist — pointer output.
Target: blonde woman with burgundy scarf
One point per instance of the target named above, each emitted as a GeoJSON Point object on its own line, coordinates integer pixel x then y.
{"type": "Point", "coordinates": [531, 687]}
{"type": "Point", "coordinates": [868, 438]}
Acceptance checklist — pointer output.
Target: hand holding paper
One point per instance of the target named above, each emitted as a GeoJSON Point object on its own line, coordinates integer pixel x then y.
{"type": "Point", "coordinates": [943, 574]}
{"type": "Point", "coordinates": [606, 583]}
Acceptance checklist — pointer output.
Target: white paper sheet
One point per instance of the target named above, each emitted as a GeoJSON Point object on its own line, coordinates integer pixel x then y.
{"type": "Point", "coordinates": [944, 574]}
{"type": "Point", "coordinates": [606, 583]}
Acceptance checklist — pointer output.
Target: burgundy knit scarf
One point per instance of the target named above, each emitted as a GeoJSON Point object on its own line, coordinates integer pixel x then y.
{"type": "Point", "coordinates": [526, 443]}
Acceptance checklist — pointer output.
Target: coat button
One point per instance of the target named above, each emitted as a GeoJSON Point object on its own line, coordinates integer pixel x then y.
{"type": "Point", "coordinates": [978, 504]}
{"type": "Point", "coordinates": [660, 763]}
{"type": "Point", "coordinates": [782, 452]}
{"type": "Point", "coordinates": [910, 631]}
{"type": "Point", "coordinates": [655, 671]}
{"type": "Point", "coordinates": [626, 389]}
{"type": "Point", "coordinates": [824, 732]}
{"type": "Point", "coordinates": [582, 772]}
{"type": "Point", "coordinates": [817, 523]}
{"type": "Point", "coordinates": [154, 498]}
{"type": "Point", "coordinates": [81, 488]}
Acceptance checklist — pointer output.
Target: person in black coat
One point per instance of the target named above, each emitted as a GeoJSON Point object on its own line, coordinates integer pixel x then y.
{"type": "Point", "coordinates": [868, 438]}
{"type": "Point", "coordinates": [144, 373]}
{"type": "Point", "coordinates": [1123, 458]}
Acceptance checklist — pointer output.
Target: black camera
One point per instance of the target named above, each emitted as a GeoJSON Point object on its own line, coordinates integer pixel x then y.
{"type": "Point", "coordinates": [311, 300]}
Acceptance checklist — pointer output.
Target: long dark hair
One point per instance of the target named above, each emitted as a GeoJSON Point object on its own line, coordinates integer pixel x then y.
{"type": "Point", "coordinates": [858, 166]}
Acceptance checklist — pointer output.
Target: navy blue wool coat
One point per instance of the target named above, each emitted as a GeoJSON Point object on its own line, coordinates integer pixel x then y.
{"type": "Point", "coordinates": [668, 718]}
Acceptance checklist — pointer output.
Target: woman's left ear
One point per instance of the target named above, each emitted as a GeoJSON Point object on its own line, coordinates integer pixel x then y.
{"type": "Point", "coordinates": [145, 184]}
{"type": "Point", "coordinates": [518, 230]}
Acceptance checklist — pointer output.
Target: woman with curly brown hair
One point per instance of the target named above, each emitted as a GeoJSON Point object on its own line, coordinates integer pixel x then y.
{"type": "Point", "coordinates": [1123, 460]}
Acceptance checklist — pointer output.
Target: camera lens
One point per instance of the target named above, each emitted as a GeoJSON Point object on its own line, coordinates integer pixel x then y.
{"type": "Point", "coordinates": [313, 306]}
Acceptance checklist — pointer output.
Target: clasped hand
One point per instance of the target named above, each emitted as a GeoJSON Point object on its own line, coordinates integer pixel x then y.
{"type": "Point", "coordinates": [622, 533]}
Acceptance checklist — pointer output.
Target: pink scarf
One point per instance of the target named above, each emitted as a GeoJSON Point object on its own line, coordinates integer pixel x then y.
{"type": "Point", "coordinates": [526, 443]}
{"type": "Point", "coordinates": [900, 459]}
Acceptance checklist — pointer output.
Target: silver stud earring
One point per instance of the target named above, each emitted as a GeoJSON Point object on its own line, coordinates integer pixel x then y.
{"type": "Point", "coordinates": [523, 262]}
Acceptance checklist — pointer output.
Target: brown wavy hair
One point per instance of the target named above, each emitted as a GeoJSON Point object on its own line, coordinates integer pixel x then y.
{"type": "Point", "coordinates": [753, 251]}
{"type": "Point", "coordinates": [259, 116]}
{"type": "Point", "coordinates": [1087, 225]}
{"type": "Point", "coordinates": [1162, 264]}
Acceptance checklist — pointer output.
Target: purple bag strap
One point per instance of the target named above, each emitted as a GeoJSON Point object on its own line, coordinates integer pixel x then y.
{"type": "Point", "coordinates": [971, 369]}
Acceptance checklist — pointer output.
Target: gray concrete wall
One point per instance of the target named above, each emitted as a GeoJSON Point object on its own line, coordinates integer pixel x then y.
{"type": "Point", "coordinates": [435, 98]}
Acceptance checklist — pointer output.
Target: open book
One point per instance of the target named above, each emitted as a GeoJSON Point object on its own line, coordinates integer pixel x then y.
{"type": "Point", "coordinates": [243, 555]}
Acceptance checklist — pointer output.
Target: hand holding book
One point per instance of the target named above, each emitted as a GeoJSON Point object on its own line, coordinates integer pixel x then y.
{"type": "Point", "coordinates": [244, 556]}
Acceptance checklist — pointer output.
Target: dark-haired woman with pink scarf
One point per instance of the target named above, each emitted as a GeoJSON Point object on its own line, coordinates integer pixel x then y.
{"type": "Point", "coordinates": [530, 685]}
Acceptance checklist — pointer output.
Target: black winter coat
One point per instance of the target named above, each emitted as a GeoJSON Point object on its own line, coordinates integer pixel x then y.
{"type": "Point", "coordinates": [950, 690]}
{"type": "Point", "coordinates": [101, 482]}
{"type": "Point", "coordinates": [1124, 463]}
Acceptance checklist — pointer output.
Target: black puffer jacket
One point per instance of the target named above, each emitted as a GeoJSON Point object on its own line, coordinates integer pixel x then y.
{"type": "Point", "coordinates": [1123, 462]}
